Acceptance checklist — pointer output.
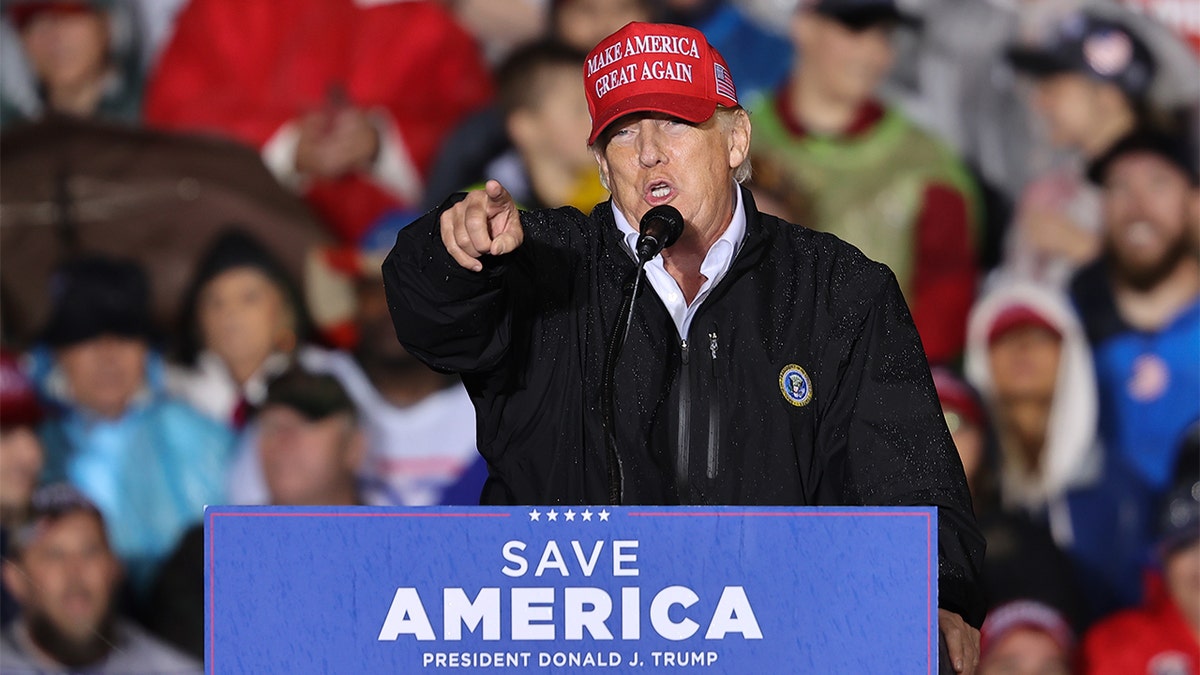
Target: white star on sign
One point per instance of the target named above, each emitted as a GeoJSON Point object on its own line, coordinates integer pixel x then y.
{"type": "Point", "coordinates": [604, 515]}
{"type": "Point", "coordinates": [587, 514]}
{"type": "Point", "coordinates": [552, 514]}
{"type": "Point", "coordinates": [570, 514]}
{"type": "Point", "coordinates": [534, 515]}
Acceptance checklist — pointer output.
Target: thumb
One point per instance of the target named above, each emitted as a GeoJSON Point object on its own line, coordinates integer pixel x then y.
{"type": "Point", "coordinates": [498, 197]}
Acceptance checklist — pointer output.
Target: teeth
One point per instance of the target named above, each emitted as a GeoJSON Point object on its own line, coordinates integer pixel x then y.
{"type": "Point", "coordinates": [661, 191]}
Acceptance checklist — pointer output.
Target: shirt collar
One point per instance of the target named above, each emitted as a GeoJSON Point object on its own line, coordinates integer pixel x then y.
{"type": "Point", "coordinates": [719, 256]}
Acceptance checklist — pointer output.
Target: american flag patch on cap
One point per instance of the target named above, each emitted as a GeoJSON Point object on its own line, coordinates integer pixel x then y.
{"type": "Point", "coordinates": [725, 83]}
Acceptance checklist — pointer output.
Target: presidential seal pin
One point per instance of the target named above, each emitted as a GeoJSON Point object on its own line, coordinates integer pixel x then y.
{"type": "Point", "coordinates": [795, 385]}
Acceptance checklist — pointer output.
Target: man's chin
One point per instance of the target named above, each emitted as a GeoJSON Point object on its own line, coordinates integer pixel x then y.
{"type": "Point", "coordinates": [76, 648]}
{"type": "Point", "coordinates": [1144, 272]}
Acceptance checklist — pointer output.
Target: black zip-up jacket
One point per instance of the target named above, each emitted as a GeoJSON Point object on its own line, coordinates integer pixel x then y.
{"type": "Point", "coordinates": [719, 417]}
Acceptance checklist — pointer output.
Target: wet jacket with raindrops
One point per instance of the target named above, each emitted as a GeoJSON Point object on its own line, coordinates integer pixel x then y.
{"type": "Point", "coordinates": [719, 417]}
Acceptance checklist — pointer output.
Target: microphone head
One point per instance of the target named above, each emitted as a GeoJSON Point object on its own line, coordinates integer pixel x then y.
{"type": "Point", "coordinates": [664, 223]}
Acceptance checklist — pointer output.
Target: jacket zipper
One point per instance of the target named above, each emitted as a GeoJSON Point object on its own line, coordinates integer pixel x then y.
{"type": "Point", "coordinates": [682, 480]}
{"type": "Point", "coordinates": [714, 409]}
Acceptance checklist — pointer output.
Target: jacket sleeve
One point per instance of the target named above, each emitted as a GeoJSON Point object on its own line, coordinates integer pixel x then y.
{"type": "Point", "coordinates": [884, 434]}
{"type": "Point", "coordinates": [452, 319]}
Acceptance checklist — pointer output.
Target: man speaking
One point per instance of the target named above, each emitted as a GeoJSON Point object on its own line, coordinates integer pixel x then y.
{"type": "Point", "coordinates": [766, 364]}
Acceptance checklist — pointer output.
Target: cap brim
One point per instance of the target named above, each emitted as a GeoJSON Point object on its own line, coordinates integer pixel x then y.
{"type": "Point", "coordinates": [1036, 62]}
{"type": "Point", "coordinates": [689, 108]}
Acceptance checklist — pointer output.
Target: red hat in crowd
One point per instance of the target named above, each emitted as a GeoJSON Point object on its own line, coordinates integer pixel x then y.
{"type": "Point", "coordinates": [655, 67]}
{"type": "Point", "coordinates": [1030, 614]}
{"type": "Point", "coordinates": [19, 405]}
{"type": "Point", "coordinates": [1019, 316]}
{"type": "Point", "coordinates": [24, 11]}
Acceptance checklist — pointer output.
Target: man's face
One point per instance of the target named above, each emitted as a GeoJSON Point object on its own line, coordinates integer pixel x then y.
{"type": "Point", "coordinates": [105, 373]}
{"type": "Point", "coordinates": [1025, 651]}
{"type": "Point", "coordinates": [1067, 104]}
{"type": "Point", "coordinates": [1151, 217]}
{"type": "Point", "coordinates": [66, 49]}
{"type": "Point", "coordinates": [654, 159]}
{"type": "Point", "coordinates": [847, 65]}
{"type": "Point", "coordinates": [552, 130]}
{"type": "Point", "coordinates": [584, 23]}
{"type": "Point", "coordinates": [304, 462]}
{"type": "Point", "coordinates": [243, 316]}
{"type": "Point", "coordinates": [1024, 364]}
{"type": "Point", "coordinates": [20, 466]}
{"type": "Point", "coordinates": [64, 581]}
{"type": "Point", "coordinates": [1182, 572]}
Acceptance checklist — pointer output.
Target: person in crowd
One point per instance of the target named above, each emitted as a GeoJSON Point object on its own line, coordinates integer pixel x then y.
{"type": "Point", "coordinates": [1029, 358]}
{"type": "Point", "coordinates": [312, 447]}
{"type": "Point", "coordinates": [545, 113]}
{"type": "Point", "coordinates": [65, 576]}
{"type": "Point", "coordinates": [419, 423]}
{"type": "Point", "coordinates": [957, 81]}
{"type": "Point", "coordinates": [780, 366]}
{"type": "Point", "coordinates": [1023, 561]}
{"type": "Point", "coordinates": [1091, 77]}
{"type": "Point", "coordinates": [310, 441]}
{"type": "Point", "coordinates": [468, 152]}
{"type": "Point", "coordinates": [328, 90]}
{"type": "Point", "coordinates": [243, 319]}
{"type": "Point", "coordinates": [418, 450]}
{"type": "Point", "coordinates": [1025, 637]}
{"type": "Point", "coordinates": [149, 462]}
{"type": "Point", "coordinates": [21, 458]}
{"type": "Point", "coordinates": [851, 166]}
{"type": "Point", "coordinates": [1140, 302]}
{"type": "Point", "coordinates": [81, 58]}
{"type": "Point", "coordinates": [1028, 355]}
{"type": "Point", "coordinates": [1163, 634]}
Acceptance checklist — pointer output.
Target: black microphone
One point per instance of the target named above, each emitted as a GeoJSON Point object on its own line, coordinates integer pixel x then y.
{"type": "Point", "coordinates": [660, 227]}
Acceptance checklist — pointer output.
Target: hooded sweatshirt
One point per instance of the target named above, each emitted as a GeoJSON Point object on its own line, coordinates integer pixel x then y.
{"type": "Point", "coordinates": [1071, 457]}
{"type": "Point", "coordinates": [151, 471]}
{"type": "Point", "coordinates": [1093, 510]}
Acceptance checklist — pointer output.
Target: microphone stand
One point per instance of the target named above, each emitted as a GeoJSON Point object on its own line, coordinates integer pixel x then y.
{"type": "Point", "coordinates": [609, 414]}
{"type": "Point", "coordinates": [661, 226]}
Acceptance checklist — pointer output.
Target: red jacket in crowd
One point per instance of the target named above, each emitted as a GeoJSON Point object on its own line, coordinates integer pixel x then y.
{"type": "Point", "coordinates": [248, 69]}
{"type": "Point", "coordinates": [1153, 639]}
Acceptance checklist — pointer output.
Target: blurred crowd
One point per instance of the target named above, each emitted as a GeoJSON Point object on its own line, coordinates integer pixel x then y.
{"type": "Point", "coordinates": [197, 196]}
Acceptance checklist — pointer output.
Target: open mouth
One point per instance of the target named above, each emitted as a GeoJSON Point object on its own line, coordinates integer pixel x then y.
{"type": "Point", "coordinates": [659, 192]}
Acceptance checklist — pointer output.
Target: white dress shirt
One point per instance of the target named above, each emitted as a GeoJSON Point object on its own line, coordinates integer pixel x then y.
{"type": "Point", "coordinates": [716, 263]}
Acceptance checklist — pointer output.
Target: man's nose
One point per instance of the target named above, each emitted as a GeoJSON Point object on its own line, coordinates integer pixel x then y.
{"type": "Point", "coordinates": [650, 146]}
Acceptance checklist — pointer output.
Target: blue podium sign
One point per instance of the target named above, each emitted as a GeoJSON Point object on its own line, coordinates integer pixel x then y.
{"type": "Point", "coordinates": [572, 589]}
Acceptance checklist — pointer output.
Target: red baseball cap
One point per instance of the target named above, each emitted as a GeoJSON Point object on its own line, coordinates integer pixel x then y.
{"type": "Point", "coordinates": [21, 13]}
{"type": "Point", "coordinates": [1019, 316]}
{"type": "Point", "coordinates": [1006, 618]}
{"type": "Point", "coordinates": [655, 67]}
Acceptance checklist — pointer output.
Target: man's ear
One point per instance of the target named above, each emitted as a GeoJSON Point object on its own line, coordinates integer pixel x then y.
{"type": "Point", "coordinates": [602, 166]}
{"type": "Point", "coordinates": [15, 580]}
{"type": "Point", "coordinates": [739, 138]}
